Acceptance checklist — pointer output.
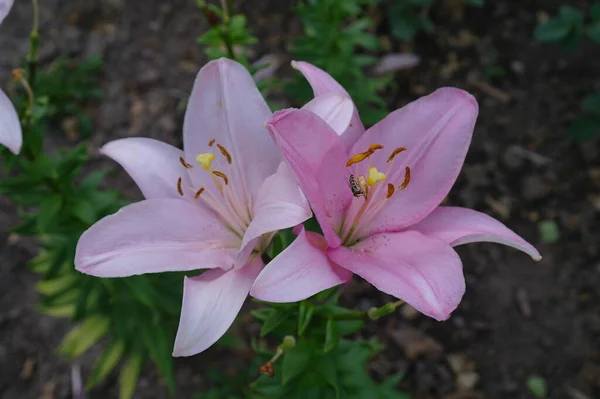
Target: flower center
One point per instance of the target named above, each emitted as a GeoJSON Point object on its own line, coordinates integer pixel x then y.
{"type": "Point", "coordinates": [223, 197]}
{"type": "Point", "coordinates": [367, 181]}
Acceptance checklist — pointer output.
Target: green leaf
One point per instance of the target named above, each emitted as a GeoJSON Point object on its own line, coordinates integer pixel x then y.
{"type": "Point", "coordinates": [332, 335]}
{"type": "Point", "coordinates": [325, 367]}
{"type": "Point", "coordinates": [552, 31]}
{"type": "Point", "coordinates": [273, 321]}
{"type": "Point", "coordinates": [305, 314]}
{"type": "Point", "coordinates": [54, 286]}
{"type": "Point", "coordinates": [128, 377]}
{"type": "Point", "coordinates": [591, 104]}
{"type": "Point", "coordinates": [595, 11]}
{"type": "Point", "coordinates": [593, 32]}
{"type": "Point", "coordinates": [475, 3]}
{"type": "Point", "coordinates": [571, 15]}
{"type": "Point", "coordinates": [549, 231]}
{"type": "Point", "coordinates": [106, 363]}
{"type": "Point", "coordinates": [82, 337]}
{"type": "Point", "coordinates": [585, 127]}
{"type": "Point", "coordinates": [296, 360]}
{"type": "Point", "coordinates": [537, 386]}
{"type": "Point", "coordinates": [49, 210]}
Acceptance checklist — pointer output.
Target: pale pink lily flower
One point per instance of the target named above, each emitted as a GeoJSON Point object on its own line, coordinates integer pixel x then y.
{"type": "Point", "coordinates": [216, 205]}
{"type": "Point", "coordinates": [11, 135]}
{"type": "Point", "coordinates": [394, 234]}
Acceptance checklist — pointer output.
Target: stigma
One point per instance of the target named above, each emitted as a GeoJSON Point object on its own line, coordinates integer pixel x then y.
{"type": "Point", "coordinates": [205, 160]}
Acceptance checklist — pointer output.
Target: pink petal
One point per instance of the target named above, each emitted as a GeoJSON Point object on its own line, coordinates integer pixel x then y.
{"type": "Point", "coordinates": [456, 226]}
{"type": "Point", "coordinates": [300, 271]}
{"type": "Point", "coordinates": [317, 157]}
{"type": "Point", "coordinates": [152, 164]}
{"type": "Point", "coordinates": [394, 62]}
{"type": "Point", "coordinates": [322, 83]}
{"type": "Point", "coordinates": [155, 235]}
{"type": "Point", "coordinates": [437, 131]}
{"type": "Point", "coordinates": [226, 105]}
{"type": "Point", "coordinates": [279, 204]}
{"type": "Point", "coordinates": [11, 135]}
{"type": "Point", "coordinates": [5, 6]}
{"type": "Point", "coordinates": [423, 271]}
{"type": "Point", "coordinates": [211, 301]}
{"type": "Point", "coordinates": [334, 108]}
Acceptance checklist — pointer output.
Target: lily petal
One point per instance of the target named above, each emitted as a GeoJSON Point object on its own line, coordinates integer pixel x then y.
{"type": "Point", "coordinates": [424, 272]}
{"type": "Point", "coordinates": [317, 157]}
{"type": "Point", "coordinates": [437, 131]}
{"type": "Point", "coordinates": [322, 83]}
{"type": "Point", "coordinates": [456, 226]}
{"type": "Point", "coordinates": [5, 6]}
{"type": "Point", "coordinates": [303, 269]}
{"type": "Point", "coordinates": [211, 301]}
{"type": "Point", "coordinates": [279, 204]}
{"type": "Point", "coordinates": [152, 164]}
{"type": "Point", "coordinates": [335, 109]}
{"type": "Point", "coordinates": [155, 235]}
{"type": "Point", "coordinates": [225, 105]}
{"type": "Point", "coordinates": [11, 135]}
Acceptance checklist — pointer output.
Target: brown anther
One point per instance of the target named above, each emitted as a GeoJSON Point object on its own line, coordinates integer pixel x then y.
{"type": "Point", "coordinates": [210, 143]}
{"type": "Point", "coordinates": [396, 152]}
{"type": "Point", "coordinates": [406, 179]}
{"type": "Point", "coordinates": [200, 191]}
{"type": "Point", "coordinates": [225, 153]}
{"type": "Point", "coordinates": [184, 163]}
{"type": "Point", "coordinates": [18, 74]}
{"type": "Point", "coordinates": [374, 147]}
{"type": "Point", "coordinates": [221, 175]}
{"type": "Point", "coordinates": [390, 191]}
{"type": "Point", "coordinates": [267, 369]}
{"type": "Point", "coordinates": [179, 189]}
{"type": "Point", "coordinates": [359, 157]}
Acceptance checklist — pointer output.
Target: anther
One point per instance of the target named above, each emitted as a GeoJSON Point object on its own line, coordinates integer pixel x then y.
{"type": "Point", "coordinates": [210, 143]}
{"type": "Point", "coordinates": [406, 179]}
{"type": "Point", "coordinates": [375, 176]}
{"type": "Point", "coordinates": [374, 147]}
{"type": "Point", "coordinates": [184, 163]}
{"type": "Point", "coordinates": [359, 157]}
{"type": "Point", "coordinates": [205, 160]}
{"type": "Point", "coordinates": [396, 152]}
{"type": "Point", "coordinates": [179, 189]}
{"type": "Point", "coordinates": [390, 191]}
{"type": "Point", "coordinates": [200, 191]}
{"type": "Point", "coordinates": [221, 175]}
{"type": "Point", "coordinates": [225, 153]}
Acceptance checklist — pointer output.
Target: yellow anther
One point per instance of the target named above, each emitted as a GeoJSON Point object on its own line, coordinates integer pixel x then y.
{"type": "Point", "coordinates": [374, 147]}
{"type": "Point", "coordinates": [375, 176]}
{"type": "Point", "coordinates": [396, 152]}
{"type": "Point", "coordinates": [359, 157]}
{"type": "Point", "coordinates": [205, 160]}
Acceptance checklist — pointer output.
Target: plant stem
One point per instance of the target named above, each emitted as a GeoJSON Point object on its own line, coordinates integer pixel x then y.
{"type": "Point", "coordinates": [33, 44]}
{"type": "Point", "coordinates": [372, 314]}
{"type": "Point", "coordinates": [226, 28]}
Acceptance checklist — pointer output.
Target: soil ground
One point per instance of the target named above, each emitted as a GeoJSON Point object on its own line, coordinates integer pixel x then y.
{"type": "Point", "coordinates": [518, 318]}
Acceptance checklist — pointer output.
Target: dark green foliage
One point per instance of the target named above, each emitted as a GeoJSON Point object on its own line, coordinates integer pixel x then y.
{"type": "Point", "coordinates": [588, 124]}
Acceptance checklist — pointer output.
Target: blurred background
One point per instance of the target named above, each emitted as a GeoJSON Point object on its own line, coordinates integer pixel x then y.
{"type": "Point", "coordinates": [524, 329]}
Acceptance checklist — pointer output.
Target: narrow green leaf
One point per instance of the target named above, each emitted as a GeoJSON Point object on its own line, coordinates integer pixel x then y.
{"type": "Point", "coordinates": [591, 104]}
{"type": "Point", "coordinates": [82, 337]}
{"type": "Point", "coordinates": [537, 386]}
{"type": "Point", "coordinates": [54, 286]}
{"type": "Point", "coordinates": [128, 377]}
{"type": "Point", "coordinates": [593, 32]}
{"type": "Point", "coordinates": [595, 11]}
{"type": "Point", "coordinates": [552, 31]}
{"type": "Point", "coordinates": [305, 314]}
{"type": "Point", "coordinates": [106, 363]}
{"type": "Point", "coordinates": [549, 231]}
{"type": "Point", "coordinates": [571, 15]}
{"type": "Point", "coordinates": [585, 127]}
{"type": "Point", "coordinates": [296, 360]}
{"type": "Point", "coordinates": [273, 321]}
{"type": "Point", "coordinates": [332, 335]}
{"type": "Point", "coordinates": [49, 209]}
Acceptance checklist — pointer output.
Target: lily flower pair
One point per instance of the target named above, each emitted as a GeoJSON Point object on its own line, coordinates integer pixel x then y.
{"type": "Point", "coordinates": [217, 204]}
{"type": "Point", "coordinates": [11, 135]}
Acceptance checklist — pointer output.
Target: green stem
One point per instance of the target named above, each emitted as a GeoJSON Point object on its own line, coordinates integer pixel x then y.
{"type": "Point", "coordinates": [226, 29]}
{"type": "Point", "coordinates": [371, 314]}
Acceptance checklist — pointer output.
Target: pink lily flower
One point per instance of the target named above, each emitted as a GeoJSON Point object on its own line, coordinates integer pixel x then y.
{"type": "Point", "coordinates": [378, 203]}
{"type": "Point", "coordinates": [216, 205]}
{"type": "Point", "coordinates": [11, 135]}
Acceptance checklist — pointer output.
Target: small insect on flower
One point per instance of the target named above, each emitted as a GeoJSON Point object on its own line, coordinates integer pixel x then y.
{"type": "Point", "coordinates": [357, 191]}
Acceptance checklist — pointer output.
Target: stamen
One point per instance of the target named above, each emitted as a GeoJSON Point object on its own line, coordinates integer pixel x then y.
{"type": "Point", "coordinates": [210, 143]}
{"type": "Point", "coordinates": [221, 175]}
{"type": "Point", "coordinates": [406, 179]}
{"type": "Point", "coordinates": [375, 176]}
{"type": "Point", "coordinates": [225, 153]}
{"type": "Point", "coordinates": [179, 189]}
{"type": "Point", "coordinates": [184, 163]}
{"type": "Point", "coordinates": [374, 147]}
{"type": "Point", "coordinates": [390, 191]}
{"type": "Point", "coordinates": [359, 158]}
{"type": "Point", "coordinates": [396, 152]}
{"type": "Point", "coordinates": [200, 191]}
{"type": "Point", "coordinates": [205, 160]}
